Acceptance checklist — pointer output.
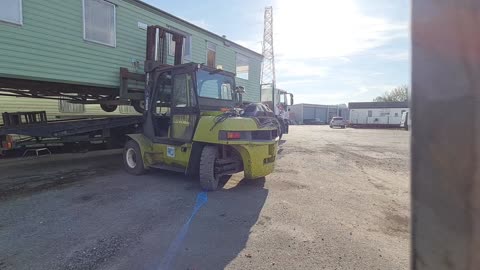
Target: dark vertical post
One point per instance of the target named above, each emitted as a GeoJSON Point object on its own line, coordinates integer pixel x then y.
{"type": "Point", "coordinates": [178, 49]}
{"type": "Point", "coordinates": [446, 134]}
{"type": "Point", "coordinates": [150, 50]}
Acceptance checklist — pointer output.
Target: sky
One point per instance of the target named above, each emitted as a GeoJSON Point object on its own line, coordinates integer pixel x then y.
{"type": "Point", "coordinates": [326, 51]}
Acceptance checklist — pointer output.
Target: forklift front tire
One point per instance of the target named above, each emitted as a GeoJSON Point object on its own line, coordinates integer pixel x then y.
{"type": "Point", "coordinates": [208, 178]}
{"type": "Point", "coordinates": [132, 158]}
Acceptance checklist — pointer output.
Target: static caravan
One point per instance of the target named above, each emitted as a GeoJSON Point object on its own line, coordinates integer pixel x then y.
{"type": "Point", "coordinates": [316, 114]}
{"type": "Point", "coordinates": [377, 114]}
{"type": "Point", "coordinates": [75, 49]}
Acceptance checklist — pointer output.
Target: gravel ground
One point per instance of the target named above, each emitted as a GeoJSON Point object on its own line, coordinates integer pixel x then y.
{"type": "Point", "coordinates": [339, 199]}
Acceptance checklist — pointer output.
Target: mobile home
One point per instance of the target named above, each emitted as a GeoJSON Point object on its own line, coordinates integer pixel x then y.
{"type": "Point", "coordinates": [77, 47]}
{"type": "Point", "coordinates": [377, 114]}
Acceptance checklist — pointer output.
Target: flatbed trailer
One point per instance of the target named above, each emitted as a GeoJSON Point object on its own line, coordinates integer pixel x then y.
{"type": "Point", "coordinates": [110, 129]}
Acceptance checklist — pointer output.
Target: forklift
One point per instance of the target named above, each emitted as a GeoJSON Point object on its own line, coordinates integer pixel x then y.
{"type": "Point", "coordinates": [193, 122]}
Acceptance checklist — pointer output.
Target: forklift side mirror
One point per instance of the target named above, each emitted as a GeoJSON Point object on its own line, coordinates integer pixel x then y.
{"type": "Point", "coordinates": [240, 89]}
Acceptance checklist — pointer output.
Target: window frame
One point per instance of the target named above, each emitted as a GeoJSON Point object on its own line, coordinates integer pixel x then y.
{"type": "Point", "coordinates": [114, 25]}
{"type": "Point", "coordinates": [171, 47]}
{"type": "Point", "coordinates": [21, 16]}
{"type": "Point", "coordinates": [199, 88]}
{"type": "Point", "coordinates": [247, 59]}
{"type": "Point", "coordinates": [206, 53]}
{"type": "Point", "coordinates": [191, 100]}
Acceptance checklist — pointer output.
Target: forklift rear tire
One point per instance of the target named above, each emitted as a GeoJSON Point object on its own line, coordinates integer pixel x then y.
{"type": "Point", "coordinates": [139, 105]}
{"type": "Point", "coordinates": [132, 158]}
{"type": "Point", "coordinates": [208, 178]}
{"type": "Point", "coordinates": [108, 108]}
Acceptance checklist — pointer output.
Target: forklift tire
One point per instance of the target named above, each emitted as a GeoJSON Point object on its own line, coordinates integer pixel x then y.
{"type": "Point", "coordinates": [139, 105]}
{"type": "Point", "coordinates": [208, 178]}
{"type": "Point", "coordinates": [132, 158]}
{"type": "Point", "coordinates": [108, 108]}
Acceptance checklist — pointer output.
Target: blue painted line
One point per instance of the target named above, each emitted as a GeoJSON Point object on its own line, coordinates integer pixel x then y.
{"type": "Point", "coordinates": [172, 250]}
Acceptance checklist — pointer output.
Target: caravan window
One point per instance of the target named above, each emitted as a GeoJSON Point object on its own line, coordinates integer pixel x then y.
{"type": "Point", "coordinates": [187, 45]}
{"type": "Point", "coordinates": [211, 54]}
{"type": "Point", "coordinates": [11, 11]}
{"type": "Point", "coordinates": [99, 23]}
{"type": "Point", "coordinates": [243, 67]}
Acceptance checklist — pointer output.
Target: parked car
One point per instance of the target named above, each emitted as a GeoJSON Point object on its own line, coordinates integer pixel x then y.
{"type": "Point", "coordinates": [338, 122]}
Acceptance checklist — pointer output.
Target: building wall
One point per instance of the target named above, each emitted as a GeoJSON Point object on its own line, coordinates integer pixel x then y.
{"type": "Point", "coordinates": [322, 113]}
{"type": "Point", "coordinates": [49, 46]}
{"type": "Point", "coordinates": [296, 113]}
{"type": "Point", "coordinates": [389, 116]}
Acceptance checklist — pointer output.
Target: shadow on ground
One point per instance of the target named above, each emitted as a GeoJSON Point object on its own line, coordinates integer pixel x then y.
{"type": "Point", "coordinates": [217, 234]}
{"type": "Point", "coordinates": [112, 220]}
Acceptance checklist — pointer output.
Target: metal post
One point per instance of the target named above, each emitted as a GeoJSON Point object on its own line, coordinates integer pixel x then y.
{"type": "Point", "coordinates": [328, 114]}
{"type": "Point", "coordinates": [446, 145]}
{"type": "Point", "coordinates": [157, 43]}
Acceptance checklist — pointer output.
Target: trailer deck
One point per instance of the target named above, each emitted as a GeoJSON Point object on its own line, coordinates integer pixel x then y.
{"type": "Point", "coordinates": [63, 128]}
{"type": "Point", "coordinates": [22, 135]}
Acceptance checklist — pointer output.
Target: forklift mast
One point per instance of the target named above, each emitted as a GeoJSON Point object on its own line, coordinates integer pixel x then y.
{"type": "Point", "coordinates": [157, 45]}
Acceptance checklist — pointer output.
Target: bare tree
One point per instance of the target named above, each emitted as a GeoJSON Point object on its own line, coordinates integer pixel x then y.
{"type": "Point", "coordinates": [398, 94]}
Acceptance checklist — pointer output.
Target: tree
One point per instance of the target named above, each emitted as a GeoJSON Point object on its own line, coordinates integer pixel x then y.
{"type": "Point", "coordinates": [398, 94]}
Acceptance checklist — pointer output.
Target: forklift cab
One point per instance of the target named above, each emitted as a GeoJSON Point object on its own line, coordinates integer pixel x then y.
{"type": "Point", "coordinates": [177, 95]}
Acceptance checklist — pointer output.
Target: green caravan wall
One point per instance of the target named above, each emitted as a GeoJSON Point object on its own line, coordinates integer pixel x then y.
{"type": "Point", "coordinates": [49, 46]}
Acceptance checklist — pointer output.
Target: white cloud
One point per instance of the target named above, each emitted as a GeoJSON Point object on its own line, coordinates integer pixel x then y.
{"type": "Point", "coordinates": [296, 82]}
{"type": "Point", "coordinates": [395, 56]}
{"type": "Point", "coordinates": [315, 45]}
{"type": "Point", "coordinates": [325, 98]}
{"type": "Point", "coordinates": [371, 91]}
{"type": "Point", "coordinates": [323, 29]}
{"type": "Point", "coordinates": [294, 68]}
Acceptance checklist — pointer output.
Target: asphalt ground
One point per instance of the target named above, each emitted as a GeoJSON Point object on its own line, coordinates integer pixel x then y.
{"type": "Point", "coordinates": [338, 199]}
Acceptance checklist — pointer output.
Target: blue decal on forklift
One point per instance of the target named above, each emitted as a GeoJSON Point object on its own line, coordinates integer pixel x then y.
{"type": "Point", "coordinates": [172, 251]}
{"type": "Point", "coordinates": [170, 151]}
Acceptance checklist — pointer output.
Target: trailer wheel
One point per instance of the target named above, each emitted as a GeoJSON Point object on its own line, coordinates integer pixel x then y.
{"type": "Point", "coordinates": [108, 108]}
{"type": "Point", "coordinates": [208, 178]}
{"type": "Point", "coordinates": [139, 105]}
{"type": "Point", "coordinates": [132, 158]}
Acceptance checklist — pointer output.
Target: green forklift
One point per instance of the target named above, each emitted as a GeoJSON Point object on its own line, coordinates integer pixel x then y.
{"type": "Point", "coordinates": [195, 121]}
